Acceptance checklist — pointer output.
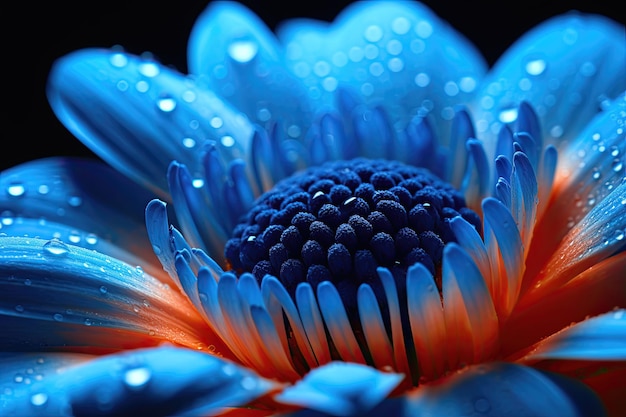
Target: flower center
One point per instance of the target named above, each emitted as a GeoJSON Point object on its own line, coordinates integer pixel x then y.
{"type": "Point", "coordinates": [340, 221]}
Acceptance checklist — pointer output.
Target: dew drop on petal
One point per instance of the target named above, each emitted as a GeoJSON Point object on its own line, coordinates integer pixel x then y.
{"type": "Point", "coordinates": [481, 405]}
{"type": "Point", "coordinates": [39, 400]}
{"type": "Point", "coordinates": [243, 50]}
{"type": "Point", "coordinates": [118, 60]}
{"type": "Point", "coordinates": [55, 247]}
{"type": "Point", "coordinates": [149, 69]}
{"type": "Point", "coordinates": [137, 378]}
{"type": "Point", "coordinates": [58, 317]}
{"type": "Point", "coordinates": [373, 33]}
{"type": "Point", "coordinates": [16, 189]}
{"type": "Point", "coordinates": [536, 66]}
{"type": "Point", "coordinates": [103, 289]}
{"type": "Point", "coordinates": [508, 114]}
{"type": "Point", "coordinates": [227, 141]}
{"type": "Point", "coordinates": [166, 104]}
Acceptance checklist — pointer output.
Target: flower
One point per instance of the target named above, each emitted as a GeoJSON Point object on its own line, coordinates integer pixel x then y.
{"type": "Point", "coordinates": [365, 220]}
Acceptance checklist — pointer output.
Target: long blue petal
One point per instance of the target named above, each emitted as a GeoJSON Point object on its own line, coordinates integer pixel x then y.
{"type": "Point", "coordinates": [163, 381]}
{"type": "Point", "coordinates": [139, 115]}
{"type": "Point", "coordinates": [564, 68]}
{"type": "Point", "coordinates": [399, 54]}
{"type": "Point", "coordinates": [79, 201]}
{"type": "Point", "coordinates": [232, 52]}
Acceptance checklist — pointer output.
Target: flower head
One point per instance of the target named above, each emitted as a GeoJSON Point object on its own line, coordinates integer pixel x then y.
{"type": "Point", "coordinates": [343, 219]}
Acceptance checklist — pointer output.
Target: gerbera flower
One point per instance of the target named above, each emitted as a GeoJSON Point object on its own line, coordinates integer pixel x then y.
{"type": "Point", "coordinates": [365, 220]}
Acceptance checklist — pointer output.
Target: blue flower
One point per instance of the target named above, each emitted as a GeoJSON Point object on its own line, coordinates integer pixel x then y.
{"type": "Point", "coordinates": [348, 219]}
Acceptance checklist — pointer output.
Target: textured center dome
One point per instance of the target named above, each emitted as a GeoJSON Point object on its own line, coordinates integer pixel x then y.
{"type": "Point", "coordinates": [340, 221]}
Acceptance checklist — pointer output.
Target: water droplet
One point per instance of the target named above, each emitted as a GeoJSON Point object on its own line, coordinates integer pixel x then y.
{"type": "Point", "coordinates": [74, 201]}
{"type": "Point", "coordinates": [27, 282]}
{"type": "Point", "coordinates": [74, 236]}
{"type": "Point", "coordinates": [118, 60]}
{"type": "Point", "coordinates": [248, 383]}
{"type": "Point", "coordinates": [19, 378]}
{"type": "Point", "coordinates": [57, 317]}
{"type": "Point", "coordinates": [536, 66]}
{"type": "Point", "coordinates": [422, 79]}
{"type": "Point", "coordinates": [189, 143]}
{"type": "Point", "coordinates": [321, 68]}
{"type": "Point", "coordinates": [424, 29]}
{"type": "Point", "coordinates": [142, 86]}
{"type": "Point", "coordinates": [467, 84]}
{"type": "Point", "coordinates": [91, 239]}
{"type": "Point", "coordinates": [149, 69]}
{"type": "Point", "coordinates": [19, 308]}
{"type": "Point", "coordinates": [227, 141]}
{"type": "Point", "coordinates": [243, 50]}
{"type": "Point", "coordinates": [481, 405]}
{"type": "Point", "coordinates": [619, 235]}
{"type": "Point", "coordinates": [88, 322]}
{"type": "Point", "coordinates": [55, 247]}
{"type": "Point", "coordinates": [617, 165]}
{"type": "Point", "coordinates": [103, 289]}
{"type": "Point", "coordinates": [156, 249]}
{"type": "Point", "coordinates": [373, 33]}
{"type": "Point", "coordinates": [39, 400]}
{"type": "Point", "coordinates": [166, 103]}
{"type": "Point", "coordinates": [16, 189]}
{"type": "Point", "coordinates": [451, 88]}
{"type": "Point", "coordinates": [400, 25]}
{"type": "Point", "coordinates": [508, 114]}
{"type": "Point", "coordinates": [137, 378]}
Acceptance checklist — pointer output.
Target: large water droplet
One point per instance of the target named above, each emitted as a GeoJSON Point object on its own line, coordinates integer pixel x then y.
{"type": "Point", "coordinates": [118, 60]}
{"type": "Point", "coordinates": [508, 114]}
{"type": "Point", "coordinates": [243, 50]}
{"type": "Point", "coordinates": [16, 189]}
{"type": "Point", "coordinates": [536, 66]}
{"type": "Point", "coordinates": [482, 405]}
{"type": "Point", "coordinates": [166, 104]}
{"type": "Point", "coordinates": [55, 247]}
{"type": "Point", "coordinates": [39, 400]}
{"type": "Point", "coordinates": [137, 378]}
{"type": "Point", "coordinates": [149, 69]}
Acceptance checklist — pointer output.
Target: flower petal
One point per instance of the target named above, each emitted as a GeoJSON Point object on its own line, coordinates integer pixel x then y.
{"type": "Point", "coordinates": [105, 97]}
{"type": "Point", "coordinates": [81, 202]}
{"type": "Point", "coordinates": [590, 169]}
{"type": "Point", "coordinates": [79, 299]}
{"type": "Point", "coordinates": [399, 55]}
{"type": "Point", "coordinates": [341, 389]}
{"type": "Point", "coordinates": [504, 389]}
{"type": "Point", "coordinates": [598, 338]}
{"type": "Point", "coordinates": [156, 382]}
{"type": "Point", "coordinates": [232, 51]}
{"type": "Point", "coordinates": [564, 68]}
{"type": "Point", "coordinates": [595, 291]}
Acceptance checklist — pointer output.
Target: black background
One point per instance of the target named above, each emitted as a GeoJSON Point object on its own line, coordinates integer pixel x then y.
{"type": "Point", "coordinates": [35, 34]}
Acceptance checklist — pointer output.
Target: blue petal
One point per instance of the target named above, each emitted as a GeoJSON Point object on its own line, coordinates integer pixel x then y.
{"type": "Point", "coordinates": [563, 68]}
{"type": "Point", "coordinates": [398, 55]}
{"type": "Point", "coordinates": [157, 382]}
{"type": "Point", "coordinates": [235, 54]}
{"type": "Point", "coordinates": [341, 389]}
{"type": "Point", "coordinates": [58, 295]}
{"type": "Point", "coordinates": [504, 389]}
{"type": "Point", "coordinates": [598, 338]}
{"type": "Point", "coordinates": [138, 115]}
{"type": "Point", "coordinates": [81, 202]}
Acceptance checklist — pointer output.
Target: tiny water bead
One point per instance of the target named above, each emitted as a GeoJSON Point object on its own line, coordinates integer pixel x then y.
{"type": "Point", "coordinates": [341, 221]}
